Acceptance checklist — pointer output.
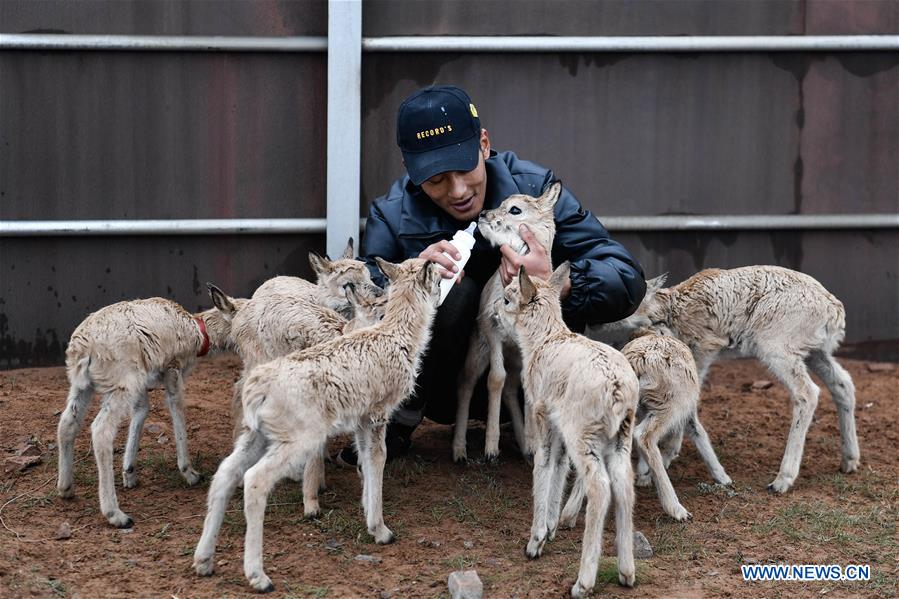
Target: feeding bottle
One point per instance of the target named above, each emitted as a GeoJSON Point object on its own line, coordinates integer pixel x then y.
{"type": "Point", "coordinates": [464, 242]}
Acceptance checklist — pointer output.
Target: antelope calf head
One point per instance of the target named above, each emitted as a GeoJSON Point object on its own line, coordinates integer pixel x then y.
{"type": "Point", "coordinates": [335, 277]}
{"type": "Point", "coordinates": [500, 225]}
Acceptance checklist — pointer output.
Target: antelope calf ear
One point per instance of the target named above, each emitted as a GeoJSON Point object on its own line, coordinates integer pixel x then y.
{"type": "Point", "coordinates": [390, 270]}
{"type": "Point", "coordinates": [320, 265]}
{"type": "Point", "coordinates": [560, 275]}
{"type": "Point", "coordinates": [348, 253]}
{"type": "Point", "coordinates": [528, 289]}
{"type": "Point", "coordinates": [549, 198]}
{"type": "Point", "coordinates": [221, 300]}
{"type": "Point", "coordinates": [653, 285]}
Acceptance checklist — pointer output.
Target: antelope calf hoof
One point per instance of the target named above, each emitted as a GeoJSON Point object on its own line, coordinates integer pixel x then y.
{"type": "Point", "coordinates": [121, 520]}
{"type": "Point", "coordinates": [312, 512]}
{"type": "Point", "coordinates": [534, 548]}
{"type": "Point", "coordinates": [261, 583]}
{"type": "Point", "coordinates": [779, 486]}
{"type": "Point", "coordinates": [129, 479]}
{"type": "Point", "coordinates": [191, 476]}
{"type": "Point", "coordinates": [643, 480]}
{"type": "Point", "coordinates": [204, 566]}
{"type": "Point", "coordinates": [460, 457]}
{"type": "Point", "coordinates": [626, 579]}
{"type": "Point", "coordinates": [384, 537]}
{"type": "Point", "coordinates": [849, 465]}
{"type": "Point", "coordinates": [67, 493]}
{"type": "Point", "coordinates": [491, 458]}
{"type": "Point", "coordinates": [568, 522]}
{"type": "Point", "coordinates": [724, 480]}
{"type": "Point", "coordinates": [579, 590]}
{"type": "Point", "coordinates": [680, 513]}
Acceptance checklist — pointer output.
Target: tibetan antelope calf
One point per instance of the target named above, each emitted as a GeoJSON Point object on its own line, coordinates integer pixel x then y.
{"type": "Point", "coordinates": [291, 406]}
{"type": "Point", "coordinates": [333, 278]}
{"type": "Point", "coordinates": [669, 400]}
{"type": "Point", "coordinates": [784, 318]}
{"type": "Point", "coordinates": [491, 344]}
{"type": "Point", "coordinates": [272, 325]}
{"type": "Point", "coordinates": [121, 351]}
{"type": "Point", "coordinates": [583, 395]}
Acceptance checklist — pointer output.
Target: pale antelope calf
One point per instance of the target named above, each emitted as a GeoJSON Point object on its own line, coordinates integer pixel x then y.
{"type": "Point", "coordinates": [333, 279]}
{"type": "Point", "coordinates": [583, 395]}
{"type": "Point", "coordinates": [491, 344]}
{"type": "Point", "coordinates": [292, 404]}
{"type": "Point", "coordinates": [669, 400]}
{"type": "Point", "coordinates": [784, 318]}
{"type": "Point", "coordinates": [121, 351]}
{"type": "Point", "coordinates": [275, 324]}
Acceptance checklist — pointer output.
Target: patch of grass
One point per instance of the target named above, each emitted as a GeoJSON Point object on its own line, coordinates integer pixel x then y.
{"type": "Point", "coordinates": [406, 470]}
{"type": "Point", "coordinates": [673, 538]}
{"type": "Point", "coordinates": [460, 562]}
{"type": "Point", "coordinates": [864, 483]}
{"type": "Point", "coordinates": [819, 524]}
{"type": "Point", "coordinates": [57, 587]}
{"type": "Point", "coordinates": [164, 466]}
{"type": "Point", "coordinates": [304, 590]}
{"type": "Point", "coordinates": [339, 525]}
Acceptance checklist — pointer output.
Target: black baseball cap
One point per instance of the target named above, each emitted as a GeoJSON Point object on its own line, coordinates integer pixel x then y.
{"type": "Point", "coordinates": [438, 130]}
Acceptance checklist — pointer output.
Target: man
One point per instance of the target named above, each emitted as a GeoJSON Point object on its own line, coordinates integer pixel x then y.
{"type": "Point", "coordinates": [452, 175]}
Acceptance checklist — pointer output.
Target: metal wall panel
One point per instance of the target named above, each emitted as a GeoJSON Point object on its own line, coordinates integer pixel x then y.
{"type": "Point", "coordinates": [166, 17]}
{"type": "Point", "coordinates": [135, 135]}
{"type": "Point", "coordinates": [91, 135]}
{"type": "Point", "coordinates": [668, 133]}
{"type": "Point", "coordinates": [583, 17]}
{"type": "Point", "coordinates": [48, 285]}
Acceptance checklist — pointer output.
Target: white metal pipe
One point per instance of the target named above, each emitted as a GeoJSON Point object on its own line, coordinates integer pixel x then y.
{"type": "Point", "coordinates": [706, 43]}
{"type": "Point", "coordinates": [238, 226]}
{"type": "Point", "coordinates": [163, 43]}
{"type": "Point", "coordinates": [249, 226]}
{"type": "Point", "coordinates": [344, 141]}
{"type": "Point", "coordinates": [753, 222]}
{"type": "Point", "coordinates": [716, 43]}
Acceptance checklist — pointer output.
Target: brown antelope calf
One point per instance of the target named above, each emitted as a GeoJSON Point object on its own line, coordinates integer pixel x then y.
{"type": "Point", "coordinates": [121, 351]}
{"type": "Point", "coordinates": [491, 344]}
{"type": "Point", "coordinates": [784, 318]}
{"type": "Point", "coordinates": [292, 404]}
{"type": "Point", "coordinates": [583, 395]}
{"type": "Point", "coordinates": [669, 400]}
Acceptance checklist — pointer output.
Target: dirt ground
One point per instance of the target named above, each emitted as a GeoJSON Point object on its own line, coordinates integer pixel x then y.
{"type": "Point", "coordinates": [448, 517]}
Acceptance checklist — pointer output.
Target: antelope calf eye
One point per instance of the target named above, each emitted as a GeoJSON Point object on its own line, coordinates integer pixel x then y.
{"type": "Point", "coordinates": [515, 210]}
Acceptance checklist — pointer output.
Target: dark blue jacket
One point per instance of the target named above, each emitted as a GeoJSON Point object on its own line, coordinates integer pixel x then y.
{"type": "Point", "coordinates": [607, 283]}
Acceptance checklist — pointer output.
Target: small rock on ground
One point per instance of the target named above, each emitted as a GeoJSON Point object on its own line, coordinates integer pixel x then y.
{"type": "Point", "coordinates": [465, 585]}
{"type": "Point", "coordinates": [642, 548]}
{"type": "Point", "coordinates": [371, 559]}
{"type": "Point", "coordinates": [64, 531]}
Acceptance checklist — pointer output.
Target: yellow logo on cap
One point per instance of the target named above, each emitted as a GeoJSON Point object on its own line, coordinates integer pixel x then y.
{"type": "Point", "coordinates": [474, 111]}
{"type": "Point", "coordinates": [435, 131]}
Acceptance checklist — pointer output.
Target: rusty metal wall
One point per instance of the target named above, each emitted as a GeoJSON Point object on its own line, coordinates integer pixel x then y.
{"type": "Point", "coordinates": [192, 135]}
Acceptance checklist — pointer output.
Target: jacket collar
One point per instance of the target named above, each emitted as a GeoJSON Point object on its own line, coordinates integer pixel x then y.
{"type": "Point", "coordinates": [423, 219]}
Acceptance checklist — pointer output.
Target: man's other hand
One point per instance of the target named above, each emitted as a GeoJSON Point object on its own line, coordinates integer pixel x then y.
{"type": "Point", "coordinates": [435, 253]}
{"type": "Point", "coordinates": [536, 262]}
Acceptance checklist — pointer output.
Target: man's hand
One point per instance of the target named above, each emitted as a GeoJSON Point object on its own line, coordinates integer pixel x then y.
{"type": "Point", "coordinates": [536, 262]}
{"type": "Point", "coordinates": [435, 253]}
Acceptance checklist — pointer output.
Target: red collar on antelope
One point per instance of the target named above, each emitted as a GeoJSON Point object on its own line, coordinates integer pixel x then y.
{"type": "Point", "coordinates": [204, 349]}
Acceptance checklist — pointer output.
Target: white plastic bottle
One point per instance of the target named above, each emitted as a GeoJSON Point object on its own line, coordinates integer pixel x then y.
{"type": "Point", "coordinates": [464, 242]}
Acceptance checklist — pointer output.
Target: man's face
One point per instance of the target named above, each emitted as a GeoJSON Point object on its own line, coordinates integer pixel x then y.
{"type": "Point", "coordinates": [461, 194]}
